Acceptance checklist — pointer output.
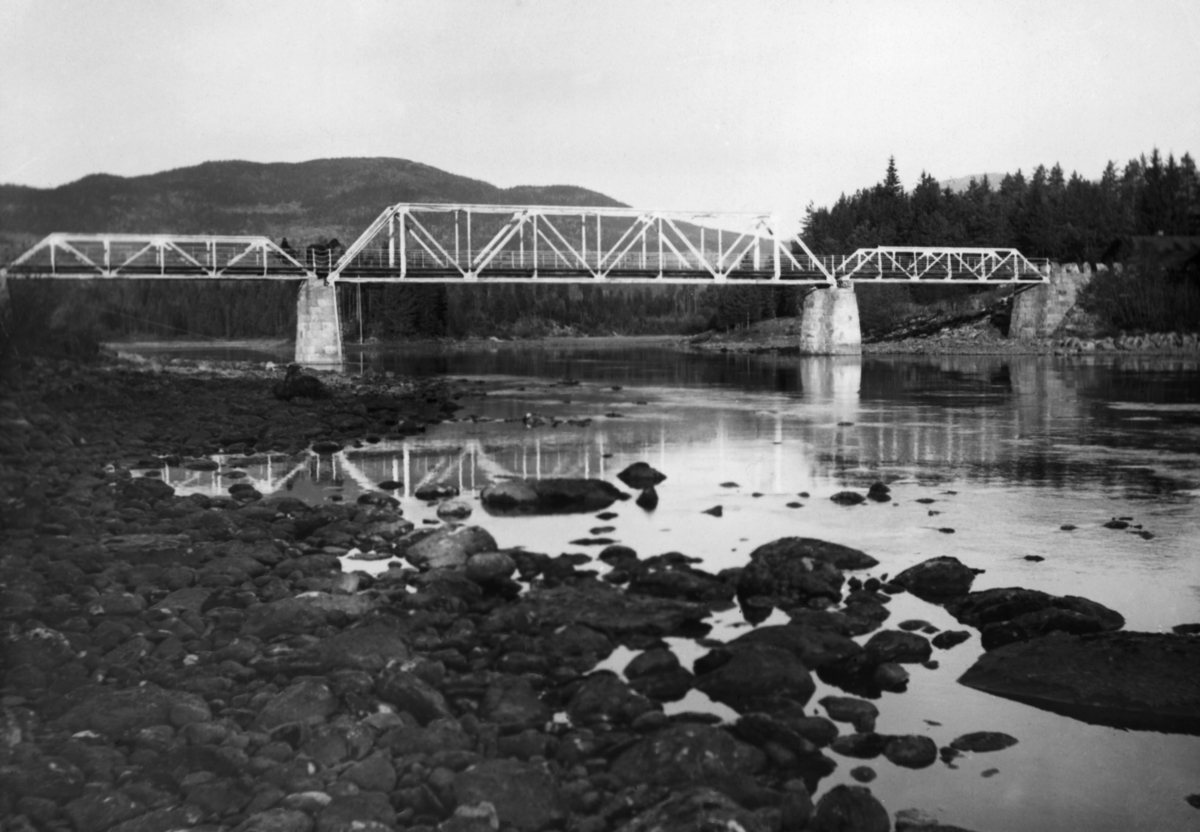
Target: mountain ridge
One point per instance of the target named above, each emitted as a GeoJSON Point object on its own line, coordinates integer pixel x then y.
{"type": "Point", "coordinates": [318, 198]}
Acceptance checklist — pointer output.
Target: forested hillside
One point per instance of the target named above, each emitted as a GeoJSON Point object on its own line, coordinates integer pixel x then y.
{"type": "Point", "coordinates": [1047, 215]}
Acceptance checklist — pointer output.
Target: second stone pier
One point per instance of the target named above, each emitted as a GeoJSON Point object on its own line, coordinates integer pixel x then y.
{"type": "Point", "coordinates": [829, 322]}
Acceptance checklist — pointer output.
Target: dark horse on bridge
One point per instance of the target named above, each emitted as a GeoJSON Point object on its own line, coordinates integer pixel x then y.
{"type": "Point", "coordinates": [323, 255]}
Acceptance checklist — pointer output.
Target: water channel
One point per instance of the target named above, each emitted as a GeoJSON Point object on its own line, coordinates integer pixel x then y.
{"type": "Point", "coordinates": [987, 458]}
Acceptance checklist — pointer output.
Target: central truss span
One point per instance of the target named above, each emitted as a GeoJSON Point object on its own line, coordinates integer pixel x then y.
{"type": "Point", "coordinates": [449, 243]}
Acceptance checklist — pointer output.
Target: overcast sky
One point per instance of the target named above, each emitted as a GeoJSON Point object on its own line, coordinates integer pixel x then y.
{"type": "Point", "coordinates": [760, 105]}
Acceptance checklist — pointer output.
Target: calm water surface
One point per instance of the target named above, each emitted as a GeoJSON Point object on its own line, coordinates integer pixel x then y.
{"type": "Point", "coordinates": [1008, 449]}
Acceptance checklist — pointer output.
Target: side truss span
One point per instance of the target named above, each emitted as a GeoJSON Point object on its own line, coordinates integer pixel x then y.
{"type": "Point", "coordinates": [435, 242]}
{"type": "Point", "coordinates": [159, 256]}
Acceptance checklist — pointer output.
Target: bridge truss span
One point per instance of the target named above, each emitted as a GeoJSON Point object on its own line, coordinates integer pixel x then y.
{"type": "Point", "coordinates": [448, 242]}
{"type": "Point", "coordinates": [466, 243]}
{"type": "Point", "coordinates": [210, 256]}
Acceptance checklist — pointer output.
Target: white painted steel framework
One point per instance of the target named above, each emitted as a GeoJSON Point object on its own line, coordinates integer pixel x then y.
{"type": "Point", "coordinates": [158, 256]}
{"type": "Point", "coordinates": [453, 243]}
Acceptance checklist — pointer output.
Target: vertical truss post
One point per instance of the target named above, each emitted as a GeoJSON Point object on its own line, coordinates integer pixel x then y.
{"type": "Point", "coordinates": [470, 262]}
{"type": "Point", "coordinates": [583, 238]}
{"type": "Point", "coordinates": [392, 241]}
{"type": "Point", "coordinates": [535, 245]}
{"type": "Point", "coordinates": [775, 244]}
{"type": "Point", "coordinates": [456, 258]}
{"type": "Point", "coordinates": [403, 244]}
{"type": "Point", "coordinates": [522, 233]}
{"type": "Point", "coordinates": [660, 244]}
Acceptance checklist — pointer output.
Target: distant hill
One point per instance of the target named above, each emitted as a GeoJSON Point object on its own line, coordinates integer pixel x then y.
{"type": "Point", "coordinates": [304, 201]}
{"type": "Point", "coordinates": [961, 183]}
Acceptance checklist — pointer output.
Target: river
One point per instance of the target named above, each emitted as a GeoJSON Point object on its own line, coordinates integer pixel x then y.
{"type": "Point", "coordinates": [988, 458]}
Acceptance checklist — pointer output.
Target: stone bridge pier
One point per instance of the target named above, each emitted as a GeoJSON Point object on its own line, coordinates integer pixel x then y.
{"type": "Point", "coordinates": [829, 322]}
{"type": "Point", "coordinates": [318, 329]}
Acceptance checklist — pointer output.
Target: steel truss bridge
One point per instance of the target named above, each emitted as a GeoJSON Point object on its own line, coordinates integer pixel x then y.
{"type": "Point", "coordinates": [459, 243]}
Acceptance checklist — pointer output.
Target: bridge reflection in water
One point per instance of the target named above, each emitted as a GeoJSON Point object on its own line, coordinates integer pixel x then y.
{"type": "Point", "coordinates": [831, 422]}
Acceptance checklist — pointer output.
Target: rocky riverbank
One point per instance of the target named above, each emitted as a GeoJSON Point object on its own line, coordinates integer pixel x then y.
{"type": "Point", "coordinates": [187, 662]}
{"type": "Point", "coordinates": [974, 335]}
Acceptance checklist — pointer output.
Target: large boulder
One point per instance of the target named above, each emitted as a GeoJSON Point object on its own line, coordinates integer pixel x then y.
{"type": "Point", "coordinates": [813, 647]}
{"type": "Point", "coordinates": [898, 646]}
{"type": "Point", "coordinates": [795, 569]}
{"type": "Point", "coordinates": [843, 557]}
{"type": "Point", "coordinates": [758, 677]}
{"type": "Point", "coordinates": [1010, 614]}
{"type": "Point", "coordinates": [450, 547]}
{"type": "Point", "coordinates": [937, 579]}
{"type": "Point", "coordinates": [549, 496]}
{"type": "Point", "coordinates": [850, 809]}
{"type": "Point", "coordinates": [1128, 680]}
{"type": "Point", "coordinates": [682, 582]}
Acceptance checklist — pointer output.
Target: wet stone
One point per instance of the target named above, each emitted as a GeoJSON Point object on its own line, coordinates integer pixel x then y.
{"type": "Point", "coordinates": [858, 712]}
{"type": "Point", "coordinates": [845, 808]}
{"type": "Point", "coordinates": [983, 741]}
{"type": "Point", "coordinates": [911, 751]}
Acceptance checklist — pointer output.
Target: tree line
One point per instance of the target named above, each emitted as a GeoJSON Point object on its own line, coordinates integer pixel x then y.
{"type": "Point", "coordinates": [1048, 214]}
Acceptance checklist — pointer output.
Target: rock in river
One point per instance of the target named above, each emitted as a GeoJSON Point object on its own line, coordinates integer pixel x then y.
{"type": "Point", "coordinates": [845, 808]}
{"type": "Point", "coordinates": [937, 579]}
{"type": "Point", "coordinates": [1126, 680]}
{"type": "Point", "coordinates": [641, 475]}
{"type": "Point", "coordinates": [451, 546]}
{"type": "Point", "coordinates": [1009, 614]}
{"type": "Point", "coordinates": [549, 496]}
{"type": "Point", "coordinates": [798, 568]}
